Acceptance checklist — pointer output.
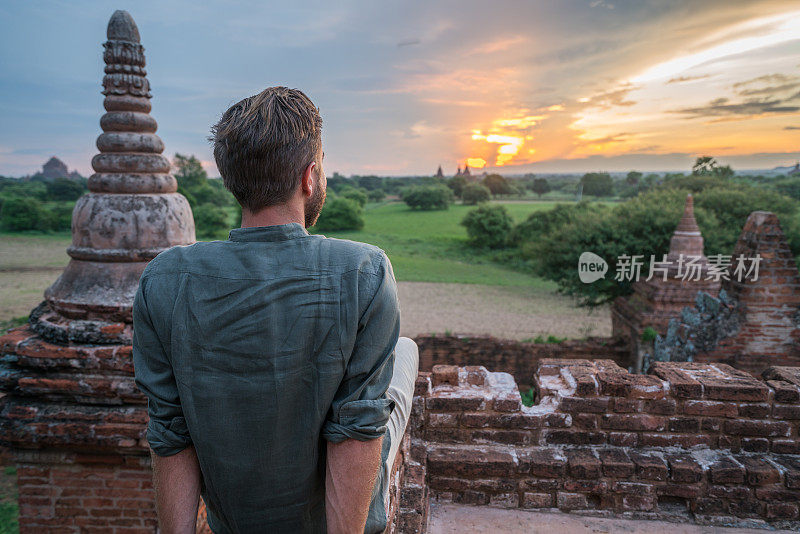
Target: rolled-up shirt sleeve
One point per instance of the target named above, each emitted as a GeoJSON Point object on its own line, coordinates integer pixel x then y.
{"type": "Point", "coordinates": [361, 409]}
{"type": "Point", "coordinates": [167, 431]}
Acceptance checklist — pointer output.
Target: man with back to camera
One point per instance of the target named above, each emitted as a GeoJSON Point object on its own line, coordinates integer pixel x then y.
{"type": "Point", "coordinates": [277, 386]}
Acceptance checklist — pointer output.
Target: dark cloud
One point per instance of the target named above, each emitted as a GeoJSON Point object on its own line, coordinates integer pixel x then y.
{"type": "Point", "coordinates": [723, 107]}
{"type": "Point", "coordinates": [685, 79]}
{"type": "Point", "coordinates": [770, 85]}
{"type": "Point", "coordinates": [791, 127]}
{"type": "Point", "coordinates": [617, 97]}
{"type": "Point", "coordinates": [409, 42]}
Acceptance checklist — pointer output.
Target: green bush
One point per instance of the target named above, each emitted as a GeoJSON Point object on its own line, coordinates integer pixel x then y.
{"type": "Point", "coordinates": [789, 186]}
{"type": "Point", "coordinates": [24, 214]}
{"type": "Point", "coordinates": [428, 197]}
{"type": "Point", "coordinates": [475, 193]}
{"type": "Point", "coordinates": [64, 189]}
{"type": "Point", "coordinates": [376, 195]}
{"type": "Point", "coordinates": [61, 216]}
{"type": "Point", "coordinates": [340, 214]}
{"type": "Point", "coordinates": [643, 226]}
{"type": "Point", "coordinates": [356, 195]}
{"type": "Point", "coordinates": [209, 220]}
{"type": "Point", "coordinates": [488, 226]}
{"type": "Point", "coordinates": [597, 184]}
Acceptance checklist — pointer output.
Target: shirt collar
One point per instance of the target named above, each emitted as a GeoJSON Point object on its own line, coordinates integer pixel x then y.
{"type": "Point", "coordinates": [278, 232]}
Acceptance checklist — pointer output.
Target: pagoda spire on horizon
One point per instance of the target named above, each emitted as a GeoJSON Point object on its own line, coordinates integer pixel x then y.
{"type": "Point", "coordinates": [687, 239]}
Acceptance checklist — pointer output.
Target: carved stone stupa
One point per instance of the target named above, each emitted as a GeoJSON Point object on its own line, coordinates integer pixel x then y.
{"type": "Point", "coordinates": [132, 212]}
{"type": "Point", "coordinates": [70, 411]}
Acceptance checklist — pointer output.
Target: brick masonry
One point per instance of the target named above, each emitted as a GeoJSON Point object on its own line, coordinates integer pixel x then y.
{"type": "Point", "coordinates": [690, 441]}
{"type": "Point", "coordinates": [520, 359]}
{"type": "Point", "coordinates": [767, 321]}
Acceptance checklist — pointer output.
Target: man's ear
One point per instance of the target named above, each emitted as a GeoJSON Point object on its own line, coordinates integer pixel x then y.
{"type": "Point", "coordinates": [307, 181]}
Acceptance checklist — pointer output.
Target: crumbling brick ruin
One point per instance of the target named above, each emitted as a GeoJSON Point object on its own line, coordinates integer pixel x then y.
{"type": "Point", "coordinates": [689, 441]}
{"type": "Point", "coordinates": [755, 323]}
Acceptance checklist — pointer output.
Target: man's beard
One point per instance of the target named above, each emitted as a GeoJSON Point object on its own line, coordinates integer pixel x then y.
{"type": "Point", "coordinates": [314, 204]}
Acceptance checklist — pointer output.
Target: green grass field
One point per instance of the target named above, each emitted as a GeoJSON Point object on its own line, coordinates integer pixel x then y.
{"type": "Point", "coordinates": [430, 246]}
{"type": "Point", "coordinates": [424, 246]}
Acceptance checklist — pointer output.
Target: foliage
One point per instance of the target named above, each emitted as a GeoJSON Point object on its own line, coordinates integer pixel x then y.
{"type": "Point", "coordinates": [643, 226]}
{"type": "Point", "coordinates": [24, 214]}
{"type": "Point", "coordinates": [488, 226]}
{"type": "Point", "coordinates": [789, 186]}
{"type": "Point", "coordinates": [475, 193]}
{"type": "Point", "coordinates": [649, 334]}
{"type": "Point", "coordinates": [597, 184]}
{"type": "Point", "coordinates": [541, 186]}
{"type": "Point", "coordinates": [708, 166]}
{"type": "Point", "coordinates": [370, 183]}
{"type": "Point", "coordinates": [457, 184]}
{"type": "Point", "coordinates": [356, 195]}
{"type": "Point", "coordinates": [64, 189]}
{"type": "Point", "coordinates": [376, 195]}
{"type": "Point", "coordinates": [541, 223]}
{"type": "Point", "coordinates": [633, 178]}
{"type": "Point", "coordinates": [428, 197]}
{"type": "Point", "coordinates": [497, 185]}
{"type": "Point", "coordinates": [528, 397]}
{"type": "Point", "coordinates": [340, 213]}
{"type": "Point", "coordinates": [209, 220]}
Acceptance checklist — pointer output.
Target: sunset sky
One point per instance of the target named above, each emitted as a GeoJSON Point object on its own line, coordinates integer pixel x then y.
{"type": "Point", "coordinates": [406, 86]}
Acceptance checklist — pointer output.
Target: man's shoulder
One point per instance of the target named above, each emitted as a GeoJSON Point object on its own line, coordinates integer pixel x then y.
{"type": "Point", "coordinates": [355, 254]}
{"type": "Point", "coordinates": [179, 257]}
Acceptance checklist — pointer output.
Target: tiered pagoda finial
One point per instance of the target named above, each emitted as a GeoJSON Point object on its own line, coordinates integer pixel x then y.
{"type": "Point", "coordinates": [687, 239]}
{"type": "Point", "coordinates": [131, 213]}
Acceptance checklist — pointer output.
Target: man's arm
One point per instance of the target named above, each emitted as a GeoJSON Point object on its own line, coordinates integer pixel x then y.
{"type": "Point", "coordinates": [177, 482]}
{"type": "Point", "coordinates": [357, 420]}
{"type": "Point", "coordinates": [350, 477]}
{"type": "Point", "coordinates": [176, 472]}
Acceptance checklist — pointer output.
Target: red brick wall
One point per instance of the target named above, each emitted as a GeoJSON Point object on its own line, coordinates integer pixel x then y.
{"type": "Point", "coordinates": [514, 357]}
{"type": "Point", "coordinates": [101, 494]}
{"type": "Point", "coordinates": [705, 442]}
{"type": "Point", "coordinates": [770, 327]}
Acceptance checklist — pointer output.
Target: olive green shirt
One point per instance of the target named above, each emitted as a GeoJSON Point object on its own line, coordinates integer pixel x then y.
{"type": "Point", "coordinates": [258, 349]}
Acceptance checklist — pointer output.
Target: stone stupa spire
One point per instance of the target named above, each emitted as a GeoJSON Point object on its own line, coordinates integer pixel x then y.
{"type": "Point", "coordinates": [131, 213]}
{"type": "Point", "coordinates": [687, 239]}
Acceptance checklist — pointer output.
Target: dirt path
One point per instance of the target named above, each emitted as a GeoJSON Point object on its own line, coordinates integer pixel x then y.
{"type": "Point", "coordinates": [507, 312]}
{"type": "Point", "coordinates": [457, 519]}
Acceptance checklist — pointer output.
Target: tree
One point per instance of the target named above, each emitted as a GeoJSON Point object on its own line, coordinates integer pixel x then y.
{"type": "Point", "coordinates": [457, 184]}
{"type": "Point", "coordinates": [189, 171]}
{"type": "Point", "coordinates": [497, 185]}
{"type": "Point", "coordinates": [633, 178]}
{"type": "Point", "coordinates": [708, 166]}
{"type": "Point", "coordinates": [475, 193]}
{"type": "Point", "coordinates": [340, 214]}
{"type": "Point", "coordinates": [488, 226]}
{"type": "Point", "coordinates": [376, 195]}
{"type": "Point", "coordinates": [643, 226]}
{"type": "Point", "coordinates": [209, 220]}
{"type": "Point", "coordinates": [64, 189]}
{"type": "Point", "coordinates": [597, 184]}
{"type": "Point", "coordinates": [428, 197]}
{"type": "Point", "coordinates": [24, 214]}
{"type": "Point", "coordinates": [356, 195]}
{"type": "Point", "coordinates": [541, 186]}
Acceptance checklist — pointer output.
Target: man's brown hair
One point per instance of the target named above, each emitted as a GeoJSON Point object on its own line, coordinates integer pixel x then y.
{"type": "Point", "coordinates": [262, 145]}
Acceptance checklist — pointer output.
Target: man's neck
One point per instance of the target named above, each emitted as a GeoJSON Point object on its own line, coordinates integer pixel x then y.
{"type": "Point", "coordinates": [286, 213]}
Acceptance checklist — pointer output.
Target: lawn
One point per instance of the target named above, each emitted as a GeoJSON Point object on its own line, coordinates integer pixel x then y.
{"type": "Point", "coordinates": [430, 246]}
{"type": "Point", "coordinates": [424, 246]}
